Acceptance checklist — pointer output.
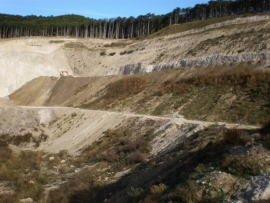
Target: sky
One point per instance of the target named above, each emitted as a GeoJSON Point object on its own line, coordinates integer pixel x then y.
{"type": "Point", "coordinates": [96, 9]}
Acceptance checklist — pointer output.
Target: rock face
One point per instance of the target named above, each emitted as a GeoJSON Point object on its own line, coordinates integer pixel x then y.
{"type": "Point", "coordinates": [171, 134]}
{"type": "Point", "coordinates": [209, 60]}
{"type": "Point", "coordinates": [25, 59]}
{"type": "Point", "coordinates": [257, 190]}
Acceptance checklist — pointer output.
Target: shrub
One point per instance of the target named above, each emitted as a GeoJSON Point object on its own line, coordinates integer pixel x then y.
{"type": "Point", "coordinates": [27, 160]}
{"type": "Point", "coordinates": [74, 114]}
{"type": "Point", "coordinates": [244, 166]}
{"type": "Point", "coordinates": [265, 129]}
{"type": "Point", "coordinates": [103, 53]}
{"type": "Point", "coordinates": [135, 192]}
{"type": "Point", "coordinates": [236, 136]}
{"type": "Point", "coordinates": [130, 51]}
{"type": "Point", "coordinates": [137, 157]}
{"type": "Point", "coordinates": [5, 152]}
{"type": "Point", "coordinates": [183, 194]}
{"type": "Point", "coordinates": [123, 52]}
{"type": "Point", "coordinates": [220, 198]}
{"type": "Point", "coordinates": [158, 189]}
{"type": "Point", "coordinates": [112, 54]}
{"type": "Point", "coordinates": [58, 196]}
{"type": "Point", "coordinates": [3, 144]}
{"type": "Point", "coordinates": [18, 139]}
{"type": "Point", "coordinates": [56, 41]}
{"type": "Point", "coordinates": [240, 51]}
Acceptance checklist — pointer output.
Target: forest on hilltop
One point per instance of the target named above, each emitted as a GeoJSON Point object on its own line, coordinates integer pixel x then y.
{"type": "Point", "coordinates": [12, 26]}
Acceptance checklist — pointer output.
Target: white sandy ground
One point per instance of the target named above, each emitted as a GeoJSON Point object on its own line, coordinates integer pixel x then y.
{"type": "Point", "coordinates": [22, 60]}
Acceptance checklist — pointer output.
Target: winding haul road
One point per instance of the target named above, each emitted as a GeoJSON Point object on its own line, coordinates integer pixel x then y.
{"type": "Point", "coordinates": [179, 119]}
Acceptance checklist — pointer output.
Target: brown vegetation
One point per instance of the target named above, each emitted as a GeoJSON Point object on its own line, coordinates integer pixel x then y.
{"type": "Point", "coordinates": [124, 88]}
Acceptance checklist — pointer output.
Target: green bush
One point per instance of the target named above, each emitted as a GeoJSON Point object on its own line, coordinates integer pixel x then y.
{"type": "Point", "coordinates": [135, 193]}
{"type": "Point", "coordinates": [103, 53]}
{"type": "Point", "coordinates": [130, 51]}
{"type": "Point", "coordinates": [112, 54]}
{"type": "Point", "coordinates": [123, 52]}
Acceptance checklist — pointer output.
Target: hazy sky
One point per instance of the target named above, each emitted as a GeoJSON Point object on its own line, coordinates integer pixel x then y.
{"type": "Point", "coordinates": [97, 9]}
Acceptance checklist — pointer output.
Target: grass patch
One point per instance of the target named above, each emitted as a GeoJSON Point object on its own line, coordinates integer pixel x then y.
{"type": "Point", "coordinates": [118, 44]}
{"type": "Point", "coordinates": [188, 26]}
{"type": "Point", "coordinates": [126, 52]}
{"type": "Point", "coordinates": [75, 45]}
{"type": "Point", "coordinates": [56, 41]}
{"type": "Point", "coordinates": [13, 168]}
{"type": "Point", "coordinates": [125, 87]}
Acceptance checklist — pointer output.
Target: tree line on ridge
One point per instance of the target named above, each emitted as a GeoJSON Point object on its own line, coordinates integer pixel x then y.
{"type": "Point", "coordinates": [12, 26]}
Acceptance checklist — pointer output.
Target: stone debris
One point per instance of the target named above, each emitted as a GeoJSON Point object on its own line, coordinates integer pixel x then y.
{"type": "Point", "coordinates": [6, 188]}
{"type": "Point", "coordinates": [31, 182]}
{"type": "Point", "coordinates": [26, 200]}
{"type": "Point", "coordinates": [62, 161]}
{"type": "Point", "coordinates": [51, 158]}
{"type": "Point", "coordinates": [257, 190]}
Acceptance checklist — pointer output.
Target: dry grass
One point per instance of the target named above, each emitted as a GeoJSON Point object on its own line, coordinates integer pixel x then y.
{"type": "Point", "coordinates": [76, 45]}
{"type": "Point", "coordinates": [237, 94]}
{"type": "Point", "coordinates": [118, 148]}
{"type": "Point", "coordinates": [158, 189]}
{"type": "Point", "coordinates": [56, 41]}
{"type": "Point", "coordinates": [236, 136]}
{"type": "Point", "coordinates": [13, 168]}
{"type": "Point", "coordinates": [244, 166]}
{"type": "Point", "coordinates": [117, 91]}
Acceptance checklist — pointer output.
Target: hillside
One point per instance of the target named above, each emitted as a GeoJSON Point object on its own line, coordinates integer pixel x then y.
{"type": "Point", "coordinates": [218, 43]}
{"type": "Point", "coordinates": [181, 115]}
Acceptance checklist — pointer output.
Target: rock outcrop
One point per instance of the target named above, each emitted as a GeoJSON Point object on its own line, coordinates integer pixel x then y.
{"type": "Point", "coordinates": [210, 60]}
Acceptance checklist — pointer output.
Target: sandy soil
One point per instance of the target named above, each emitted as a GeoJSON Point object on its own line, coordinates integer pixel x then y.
{"type": "Point", "coordinates": [73, 129]}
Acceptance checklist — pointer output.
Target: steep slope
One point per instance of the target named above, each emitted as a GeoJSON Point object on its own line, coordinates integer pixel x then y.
{"type": "Point", "coordinates": [127, 157]}
{"type": "Point", "coordinates": [234, 93]}
{"type": "Point", "coordinates": [232, 41]}
{"type": "Point", "coordinates": [25, 59]}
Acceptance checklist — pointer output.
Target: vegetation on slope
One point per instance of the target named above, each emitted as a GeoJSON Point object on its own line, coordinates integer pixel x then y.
{"type": "Point", "coordinates": [189, 172]}
{"type": "Point", "coordinates": [118, 90]}
{"type": "Point", "coordinates": [239, 96]}
{"type": "Point", "coordinates": [17, 171]}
